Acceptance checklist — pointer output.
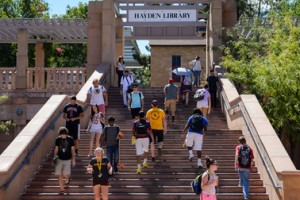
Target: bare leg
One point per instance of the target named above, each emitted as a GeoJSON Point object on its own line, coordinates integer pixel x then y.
{"type": "Point", "coordinates": [96, 190]}
{"type": "Point", "coordinates": [98, 139]}
{"type": "Point", "coordinates": [104, 191]}
{"type": "Point", "coordinates": [91, 142]}
{"type": "Point", "coordinates": [187, 94]}
{"type": "Point", "coordinates": [61, 182]}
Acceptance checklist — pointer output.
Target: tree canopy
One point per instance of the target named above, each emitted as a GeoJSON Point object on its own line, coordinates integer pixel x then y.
{"type": "Point", "coordinates": [261, 56]}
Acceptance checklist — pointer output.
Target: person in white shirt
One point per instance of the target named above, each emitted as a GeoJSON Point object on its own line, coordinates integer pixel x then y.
{"type": "Point", "coordinates": [98, 96]}
{"type": "Point", "coordinates": [126, 81]}
{"type": "Point", "coordinates": [196, 69]}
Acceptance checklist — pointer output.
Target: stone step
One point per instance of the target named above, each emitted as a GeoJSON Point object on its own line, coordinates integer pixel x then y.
{"type": "Point", "coordinates": [167, 178]}
{"type": "Point", "coordinates": [114, 188]}
{"type": "Point", "coordinates": [139, 196]}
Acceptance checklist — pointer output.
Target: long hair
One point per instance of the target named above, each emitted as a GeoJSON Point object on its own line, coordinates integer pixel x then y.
{"type": "Point", "coordinates": [93, 112]}
{"type": "Point", "coordinates": [209, 161]}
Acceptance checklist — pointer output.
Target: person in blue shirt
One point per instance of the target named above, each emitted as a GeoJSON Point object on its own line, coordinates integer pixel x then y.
{"type": "Point", "coordinates": [194, 129]}
{"type": "Point", "coordinates": [135, 102]}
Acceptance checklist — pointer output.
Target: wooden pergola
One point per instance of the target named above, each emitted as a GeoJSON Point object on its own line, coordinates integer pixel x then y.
{"type": "Point", "coordinates": [40, 31]}
{"type": "Point", "coordinates": [44, 30]}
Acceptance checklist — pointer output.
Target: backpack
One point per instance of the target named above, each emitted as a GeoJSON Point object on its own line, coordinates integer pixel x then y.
{"type": "Point", "coordinates": [197, 122]}
{"type": "Point", "coordinates": [187, 80]}
{"type": "Point", "coordinates": [199, 95]}
{"type": "Point", "coordinates": [141, 127]}
{"type": "Point", "coordinates": [196, 183]}
{"type": "Point", "coordinates": [244, 157]}
{"type": "Point", "coordinates": [91, 88]}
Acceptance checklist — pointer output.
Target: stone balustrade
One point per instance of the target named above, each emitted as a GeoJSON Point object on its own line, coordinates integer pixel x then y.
{"type": "Point", "coordinates": [45, 79]}
{"type": "Point", "coordinates": [8, 76]}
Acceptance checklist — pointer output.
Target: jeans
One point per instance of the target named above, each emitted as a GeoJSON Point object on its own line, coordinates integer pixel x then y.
{"type": "Point", "coordinates": [113, 155]}
{"type": "Point", "coordinates": [196, 75]}
{"type": "Point", "coordinates": [213, 94]}
{"type": "Point", "coordinates": [120, 74]}
{"type": "Point", "coordinates": [244, 175]}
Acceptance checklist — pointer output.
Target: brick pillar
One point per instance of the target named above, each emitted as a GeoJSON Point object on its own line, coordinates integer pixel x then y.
{"type": "Point", "coordinates": [94, 32]}
{"type": "Point", "coordinates": [215, 31]}
{"type": "Point", "coordinates": [22, 60]}
{"type": "Point", "coordinates": [108, 35]}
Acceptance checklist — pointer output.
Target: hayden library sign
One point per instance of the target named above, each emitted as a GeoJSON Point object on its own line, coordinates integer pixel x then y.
{"type": "Point", "coordinates": [178, 22]}
{"type": "Point", "coordinates": [162, 16]}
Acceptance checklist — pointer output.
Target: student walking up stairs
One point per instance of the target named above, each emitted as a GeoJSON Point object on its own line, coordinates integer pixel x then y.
{"type": "Point", "coordinates": [168, 177]}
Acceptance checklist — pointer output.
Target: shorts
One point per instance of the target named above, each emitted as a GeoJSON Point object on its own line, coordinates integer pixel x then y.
{"type": "Point", "coordinates": [204, 196]}
{"type": "Point", "coordinates": [63, 167]}
{"type": "Point", "coordinates": [74, 130]}
{"type": "Point", "coordinates": [195, 140]}
{"type": "Point", "coordinates": [171, 104]}
{"type": "Point", "coordinates": [159, 134]}
{"type": "Point", "coordinates": [101, 183]}
{"type": "Point", "coordinates": [202, 104]}
{"type": "Point", "coordinates": [135, 112]}
{"type": "Point", "coordinates": [141, 145]}
{"type": "Point", "coordinates": [98, 131]}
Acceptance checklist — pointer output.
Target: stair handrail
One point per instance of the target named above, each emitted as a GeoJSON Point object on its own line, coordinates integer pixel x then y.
{"type": "Point", "coordinates": [276, 185]}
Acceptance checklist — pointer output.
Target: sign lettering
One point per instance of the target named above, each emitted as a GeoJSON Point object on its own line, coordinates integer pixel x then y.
{"type": "Point", "coordinates": [162, 15]}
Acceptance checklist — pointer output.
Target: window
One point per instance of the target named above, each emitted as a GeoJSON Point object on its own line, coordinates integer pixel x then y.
{"type": "Point", "coordinates": [176, 62]}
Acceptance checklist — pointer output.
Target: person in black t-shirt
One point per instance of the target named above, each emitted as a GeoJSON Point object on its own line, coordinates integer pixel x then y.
{"type": "Point", "coordinates": [72, 113]}
{"type": "Point", "coordinates": [212, 87]}
{"type": "Point", "coordinates": [100, 168]}
{"type": "Point", "coordinates": [64, 152]}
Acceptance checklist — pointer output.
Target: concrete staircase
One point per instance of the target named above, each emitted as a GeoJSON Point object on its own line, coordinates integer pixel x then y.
{"type": "Point", "coordinates": [168, 177]}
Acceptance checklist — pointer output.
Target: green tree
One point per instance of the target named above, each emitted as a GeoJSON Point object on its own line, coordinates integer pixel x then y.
{"type": "Point", "coordinates": [263, 59]}
{"type": "Point", "coordinates": [5, 126]}
{"type": "Point", "coordinates": [20, 9]}
{"type": "Point", "coordinates": [72, 54]}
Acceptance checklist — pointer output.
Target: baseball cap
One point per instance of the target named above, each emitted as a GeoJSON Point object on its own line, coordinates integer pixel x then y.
{"type": "Point", "coordinates": [171, 80]}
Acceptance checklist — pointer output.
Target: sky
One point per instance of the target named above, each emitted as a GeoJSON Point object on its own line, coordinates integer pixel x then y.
{"type": "Point", "coordinates": [59, 7]}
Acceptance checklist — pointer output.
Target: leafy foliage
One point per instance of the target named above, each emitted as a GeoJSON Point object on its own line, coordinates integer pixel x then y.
{"type": "Point", "coordinates": [5, 126]}
{"type": "Point", "coordinates": [263, 59]}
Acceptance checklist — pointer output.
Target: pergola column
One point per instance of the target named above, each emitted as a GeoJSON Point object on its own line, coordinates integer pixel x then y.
{"type": "Point", "coordinates": [22, 60]}
{"type": "Point", "coordinates": [39, 65]}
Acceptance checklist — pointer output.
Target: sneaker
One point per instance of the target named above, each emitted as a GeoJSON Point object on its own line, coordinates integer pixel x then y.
{"type": "Point", "coordinates": [145, 164]}
{"type": "Point", "coordinates": [139, 171]}
{"type": "Point", "coordinates": [116, 170]}
{"type": "Point", "coordinates": [159, 152]}
{"type": "Point", "coordinates": [153, 159]}
{"type": "Point", "coordinates": [191, 158]}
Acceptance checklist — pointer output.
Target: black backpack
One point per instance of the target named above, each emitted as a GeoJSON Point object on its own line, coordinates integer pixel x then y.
{"type": "Point", "coordinates": [197, 122]}
{"type": "Point", "coordinates": [196, 184]}
{"type": "Point", "coordinates": [198, 96]}
{"type": "Point", "coordinates": [141, 127]}
{"type": "Point", "coordinates": [244, 156]}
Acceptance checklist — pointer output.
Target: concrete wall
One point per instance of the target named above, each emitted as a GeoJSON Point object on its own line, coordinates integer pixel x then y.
{"type": "Point", "coordinates": [161, 61]}
{"type": "Point", "coordinates": [241, 110]}
{"type": "Point", "coordinates": [16, 153]}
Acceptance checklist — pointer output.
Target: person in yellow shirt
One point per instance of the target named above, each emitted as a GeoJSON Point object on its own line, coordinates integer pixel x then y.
{"type": "Point", "coordinates": [158, 123]}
